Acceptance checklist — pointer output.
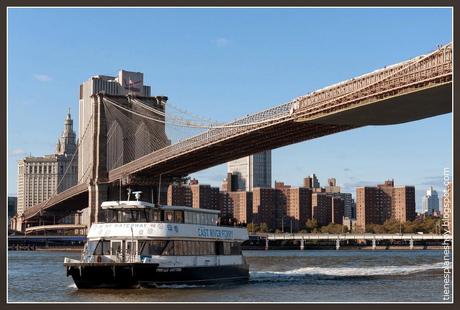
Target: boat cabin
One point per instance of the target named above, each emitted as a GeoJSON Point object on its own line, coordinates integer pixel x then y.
{"type": "Point", "coordinates": [141, 211]}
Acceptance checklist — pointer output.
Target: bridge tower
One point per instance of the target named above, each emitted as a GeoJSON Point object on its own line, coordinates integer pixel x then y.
{"type": "Point", "coordinates": [111, 136]}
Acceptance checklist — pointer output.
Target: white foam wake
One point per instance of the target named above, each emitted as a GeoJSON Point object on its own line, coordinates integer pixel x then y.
{"type": "Point", "coordinates": [179, 286]}
{"type": "Point", "coordinates": [346, 271]}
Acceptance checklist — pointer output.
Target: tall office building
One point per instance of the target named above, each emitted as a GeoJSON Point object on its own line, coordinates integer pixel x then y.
{"type": "Point", "coordinates": [430, 202]}
{"type": "Point", "coordinates": [127, 139]}
{"type": "Point", "coordinates": [230, 183]}
{"type": "Point", "coordinates": [253, 171]}
{"type": "Point", "coordinates": [39, 178]}
{"type": "Point", "coordinates": [315, 182]}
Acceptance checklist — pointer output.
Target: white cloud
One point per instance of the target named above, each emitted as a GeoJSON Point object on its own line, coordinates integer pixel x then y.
{"type": "Point", "coordinates": [221, 42]}
{"type": "Point", "coordinates": [42, 77]}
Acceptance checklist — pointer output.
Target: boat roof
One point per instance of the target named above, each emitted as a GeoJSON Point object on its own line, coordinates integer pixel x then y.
{"type": "Point", "coordinates": [138, 204]}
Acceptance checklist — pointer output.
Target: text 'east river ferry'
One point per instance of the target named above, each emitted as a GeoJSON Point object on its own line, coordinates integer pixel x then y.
{"type": "Point", "coordinates": [141, 244]}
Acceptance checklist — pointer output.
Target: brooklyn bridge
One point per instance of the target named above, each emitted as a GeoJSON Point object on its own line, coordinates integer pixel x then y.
{"type": "Point", "coordinates": [125, 145]}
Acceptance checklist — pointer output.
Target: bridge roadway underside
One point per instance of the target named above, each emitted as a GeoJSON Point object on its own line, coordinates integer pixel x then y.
{"type": "Point", "coordinates": [413, 106]}
{"type": "Point", "coordinates": [395, 110]}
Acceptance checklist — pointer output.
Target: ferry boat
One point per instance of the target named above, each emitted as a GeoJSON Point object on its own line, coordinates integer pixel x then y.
{"type": "Point", "coordinates": [141, 244]}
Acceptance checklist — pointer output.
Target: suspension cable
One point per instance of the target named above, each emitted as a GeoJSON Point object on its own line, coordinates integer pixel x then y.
{"type": "Point", "coordinates": [191, 124]}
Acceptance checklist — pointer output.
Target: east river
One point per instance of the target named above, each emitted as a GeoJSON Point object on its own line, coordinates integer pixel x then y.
{"type": "Point", "coordinates": [276, 276]}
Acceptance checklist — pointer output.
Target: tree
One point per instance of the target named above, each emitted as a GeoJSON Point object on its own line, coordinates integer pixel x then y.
{"type": "Point", "coordinates": [263, 228]}
{"type": "Point", "coordinates": [252, 228]}
{"type": "Point", "coordinates": [392, 226]}
{"type": "Point", "coordinates": [332, 228]}
{"type": "Point", "coordinates": [311, 225]}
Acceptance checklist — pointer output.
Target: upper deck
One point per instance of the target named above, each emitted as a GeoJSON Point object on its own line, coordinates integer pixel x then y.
{"type": "Point", "coordinates": [140, 220]}
{"type": "Point", "coordinates": [144, 212]}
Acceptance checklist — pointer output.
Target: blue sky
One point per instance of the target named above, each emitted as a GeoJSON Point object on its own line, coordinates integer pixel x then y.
{"type": "Point", "coordinates": [225, 63]}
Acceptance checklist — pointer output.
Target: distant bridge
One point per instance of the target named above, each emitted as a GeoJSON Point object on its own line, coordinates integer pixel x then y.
{"type": "Point", "coordinates": [407, 91]}
{"type": "Point", "coordinates": [302, 237]}
{"type": "Point", "coordinates": [352, 236]}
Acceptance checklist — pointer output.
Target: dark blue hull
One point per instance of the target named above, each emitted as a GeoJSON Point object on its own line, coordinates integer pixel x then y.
{"type": "Point", "coordinates": [149, 275]}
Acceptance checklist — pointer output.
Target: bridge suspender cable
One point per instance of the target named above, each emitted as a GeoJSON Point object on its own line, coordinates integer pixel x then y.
{"type": "Point", "coordinates": [189, 124]}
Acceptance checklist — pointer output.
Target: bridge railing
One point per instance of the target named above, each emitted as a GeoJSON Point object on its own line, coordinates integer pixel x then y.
{"type": "Point", "coordinates": [424, 64]}
{"type": "Point", "coordinates": [415, 71]}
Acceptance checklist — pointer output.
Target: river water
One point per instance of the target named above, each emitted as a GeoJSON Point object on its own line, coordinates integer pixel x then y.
{"type": "Point", "coordinates": [276, 276]}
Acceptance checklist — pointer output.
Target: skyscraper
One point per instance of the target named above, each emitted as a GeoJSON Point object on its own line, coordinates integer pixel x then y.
{"type": "Point", "coordinates": [253, 171]}
{"type": "Point", "coordinates": [39, 178]}
{"type": "Point", "coordinates": [430, 202]}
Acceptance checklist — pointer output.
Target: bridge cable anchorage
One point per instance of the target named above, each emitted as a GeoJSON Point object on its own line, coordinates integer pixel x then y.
{"type": "Point", "coordinates": [400, 67]}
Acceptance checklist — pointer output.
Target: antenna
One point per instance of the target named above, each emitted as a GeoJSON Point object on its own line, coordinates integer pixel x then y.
{"type": "Point", "coordinates": [129, 192]}
{"type": "Point", "coordinates": [137, 194]}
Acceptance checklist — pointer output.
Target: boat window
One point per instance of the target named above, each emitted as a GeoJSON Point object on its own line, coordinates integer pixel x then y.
{"type": "Point", "coordinates": [235, 248]}
{"type": "Point", "coordinates": [188, 218]}
{"type": "Point", "coordinates": [179, 248]}
{"type": "Point", "coordinates": [145, 215]}
{"type": "Point", "coordinates": [131, 247]}
{"type": "Point", "coordinates": [202, 218]}
{"type": "Point", "coordinates": [194, 218]}
{"type": "Point", "coordinates": [179, 216]}
{"type": "Point", "coordinates": [169, 216]}
{"type": "Point", "coordinates": [169, 249]}
{"type": "Point", "coordinates": [91, 246]}
{"type": "Point", "coordinates": [111, 216]}
{"type": "Point", "coordinates": [157, 216]}
{"type": "Point", "coordinates": [184, 248]}
{"type": "Point", "coordinates": [102, 248]}
{"type": "Point", "coordinates": [135, 215]}
{"type": "Point", "coordinates": [151, 247]}
{"type": "Point", "coordinates": [226, 248]}
{"type": "Point", "coordinates": [219, 248]}
{"type": "Point", "coordinates": [116, 247]}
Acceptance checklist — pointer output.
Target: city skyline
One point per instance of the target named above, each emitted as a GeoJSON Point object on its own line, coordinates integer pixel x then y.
{"type": "Point", "coordinates": [339, 156]}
